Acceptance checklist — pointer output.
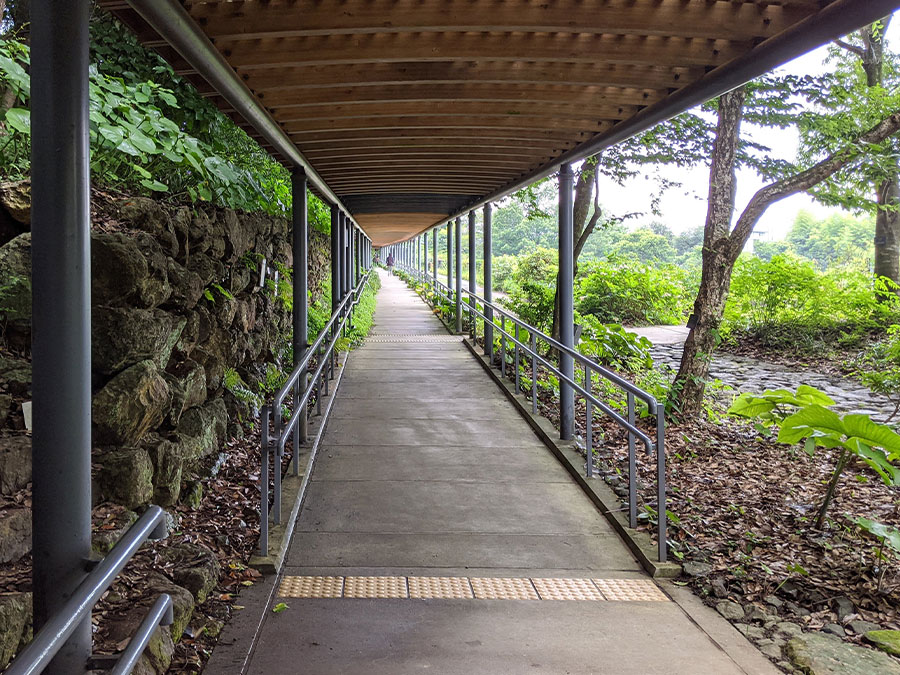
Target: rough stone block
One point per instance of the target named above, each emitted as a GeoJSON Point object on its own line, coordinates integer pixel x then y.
{"type": "Point", "coordinates": [15, 534]}
{"type": "Point", "coordinates": [133, 402]}
{"type": "Point", "coordinates": [123, 336]}
{"type": "Point", "coordinates": [126, 477]}
{"type": "Point", "coordinates": [15, 463]}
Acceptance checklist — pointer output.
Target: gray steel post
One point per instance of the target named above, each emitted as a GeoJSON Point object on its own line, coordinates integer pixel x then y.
{"type": "Point", "coordinates": [566, 302]}
{"type": "Point", "coordinates": [434, 258]}
{"type": "Point", "coordinates": [425, 253]}
{"type": "Point", "coordinates": [488, 292]}
{"type": "Point", "coordinates": [61, 299]}
{"type": "Point", "coordinates": [473, 287]}
{"type": "Point", "coordinates": [335, 257]}
{"type": "Point", "coordinates": [449, 255]}
{"type": "Point", "coordinates": [458, 260]}
{"type": "Point", "coordinates": [301, 296]}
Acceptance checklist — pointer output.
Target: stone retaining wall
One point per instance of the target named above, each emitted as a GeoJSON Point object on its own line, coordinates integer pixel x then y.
{"type": "Point", "coordinates": [176, 304]}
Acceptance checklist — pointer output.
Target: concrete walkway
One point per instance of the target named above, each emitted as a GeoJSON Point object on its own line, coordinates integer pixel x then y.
{"type": "Point", "coordinates": [431, 495]}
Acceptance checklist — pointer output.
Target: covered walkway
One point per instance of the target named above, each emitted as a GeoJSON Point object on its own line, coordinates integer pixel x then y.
{"type": "Point", "coordinates": [438, 531]}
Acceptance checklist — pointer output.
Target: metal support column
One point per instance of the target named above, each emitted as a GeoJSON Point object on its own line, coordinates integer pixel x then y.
{"type": "Point", "coordinates": [566, 303]}
{"type": "Point", "coordinates": [335, 257]}
{"type": "Point", "coordinates": [434, 258]}
{"type": "Point", "coordinates": [488, 291]}
{"type": "Point", "coordinates": [458, 271]}
{"type": "Point", "coordinates": [473, 286]}
{"type": "Point", "coordinates": [425, 253]}
{"type": "Point", "coordinates": [301, 295]}
{"type": "Point", "coordinates": [449, 255]}
{"type": "Point", "coordinates": [61, 338]}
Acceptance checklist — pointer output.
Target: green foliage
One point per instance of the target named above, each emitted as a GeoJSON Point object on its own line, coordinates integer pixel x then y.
{"type": "Point", "coordinates": [853, 435]}
{"type": "Point", "coordinates": [364, 314]}
{"type": "Point", "coordinates": [878, 366]}
{"type": "Point", "coordinates": [532, 288]}
{"type": "Point", "coordinates": [788, 303]}
{"type": "Point", "coordinates": [151, 132]}
{"type": "Point", "coordinates": [646, 246]}
{"type": "Point", "coordinates": [836, 240]}
{"type": "Point", "coordinates": [613, 346]}
{"type": "Point", "coordinates": [632, 293]}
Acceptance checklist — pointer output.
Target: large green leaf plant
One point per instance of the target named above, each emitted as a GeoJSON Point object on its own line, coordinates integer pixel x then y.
{"type": "Point", "coordinates": [805, 416]}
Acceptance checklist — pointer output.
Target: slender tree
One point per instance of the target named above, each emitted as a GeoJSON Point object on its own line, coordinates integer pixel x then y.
{"type": "Point", "coordinates": [722, 243]}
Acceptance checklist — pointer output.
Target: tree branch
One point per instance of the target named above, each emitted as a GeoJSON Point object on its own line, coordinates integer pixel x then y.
{"type": "Point", "coordinates": [859, 51]}
{"type": "Point", "coordinates": [769, 194]}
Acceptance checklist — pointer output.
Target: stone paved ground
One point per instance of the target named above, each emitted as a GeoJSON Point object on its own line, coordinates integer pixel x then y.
{"type": "Point", "coordinates": [753, 375]}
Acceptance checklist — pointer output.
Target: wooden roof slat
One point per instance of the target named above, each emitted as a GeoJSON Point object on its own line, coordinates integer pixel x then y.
{"type": "Point", "coordinates": [302, 97]}
{"type": "Point", "coordinates": [246, 55]}
{"type": "Point", "coordinates": [426, 152]}
{"type": "Point", "coordinates": [522, 71]}
{"type": "Point", "coordinates": [285, 18]}
{"type": "Point", "coordinates": [403, 135]}
{"type": "Point", "coordinates": [439, 121]}
{"type": "Point", "coordinates": [585, 112]}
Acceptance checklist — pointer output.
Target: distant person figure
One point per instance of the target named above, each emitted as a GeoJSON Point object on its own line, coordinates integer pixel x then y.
{"type": "Point", "coordinates": [390, 264]}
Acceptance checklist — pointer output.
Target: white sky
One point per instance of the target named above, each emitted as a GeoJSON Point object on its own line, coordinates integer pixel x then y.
{"type": "Point", "coordinates": [685, 207]}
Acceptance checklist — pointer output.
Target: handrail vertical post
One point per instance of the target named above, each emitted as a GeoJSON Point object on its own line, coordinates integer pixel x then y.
{"type": "Point", "coordinates": [434, 259]}
{"type": "Point", "coordinates": [503, 345]}
{"type": "Point", "coordinates": [488, 285]}
{"type": "Point", "coordinates": [632, 467]}
{"type": "Point", "coordinates": [473, 285]}
{"type": "Point", "coordinates": [589, 422]}
{"type": "Point", "coordinates": [449, 255]}
{"type": "Point", "coordinates": [661, 481]}
{"type": "Point", "coordinates": [458, 261]}
{"type": "Point", "coordinates": [61, 337]}
{"type": "Point", "coordinates": [566, 303]}
{"type": "Point", "coordinates": [264, 447]}
{"type": "Point", "coordinates": [516, 357]}
{"type": "Point", "coordinates": [534, 374]}
{"type": "Point", "coordinates": [299, 216]}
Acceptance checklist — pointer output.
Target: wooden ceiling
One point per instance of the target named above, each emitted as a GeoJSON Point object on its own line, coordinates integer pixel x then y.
{"type": "Point", "coordinates": [451, 100]}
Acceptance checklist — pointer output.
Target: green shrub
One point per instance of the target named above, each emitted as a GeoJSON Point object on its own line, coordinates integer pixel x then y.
{"type": "Point", "coordinates": [620, 290]}
{"type": "Point", "coordinates": [613, 346]}
{"type": "Point", "coordinates": [787, 302]}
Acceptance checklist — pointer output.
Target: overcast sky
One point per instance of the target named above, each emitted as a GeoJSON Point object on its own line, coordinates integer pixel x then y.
{"type": "Point", "coordinates": [685, 207]}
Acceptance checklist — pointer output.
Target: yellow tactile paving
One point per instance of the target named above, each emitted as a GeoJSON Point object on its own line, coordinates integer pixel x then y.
{"type": "Point", "coordinates": [640, 590]}
{"type": "Point", "coordinates": [503, 588]}
{"type": "Point", "coordinates": [440, 587]}
{"type": "Point", "coordinates": [311, 587]}
{"type": "Point", "coordinates": [481, 588]}
{"type": "Point", "coordinates": [375, 587]}
{"type": "Point", "coordinates": [567, 589]}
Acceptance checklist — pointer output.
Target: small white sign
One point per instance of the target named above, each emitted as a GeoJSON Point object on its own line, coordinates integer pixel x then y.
{"type": "Point", "coordinates": [26, 413]}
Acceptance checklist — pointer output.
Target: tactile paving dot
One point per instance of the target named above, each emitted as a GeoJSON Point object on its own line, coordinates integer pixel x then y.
{"type": "Point", "coordinates": [498, 588]}
{"type": "Point", "coordinates": [440, 587]}
{"type": "Point", "coordinates": [375, 587]}
{"type": "Point", "coordinates": [567, 589]}
{"type": "Point", "coordinates": [642, 590]}
{"type": "Point", "coordinates": [311, 587]}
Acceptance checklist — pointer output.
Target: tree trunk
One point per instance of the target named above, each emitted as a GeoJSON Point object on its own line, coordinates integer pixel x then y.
{"type": "Point", "coordinates": [686, 394]}
{"type": "Point", "coordinates": [582, 227]}
{"type": "Point", "coordinates": [887, 230]}
{"type": "Point", "coordinates": [887, 219]}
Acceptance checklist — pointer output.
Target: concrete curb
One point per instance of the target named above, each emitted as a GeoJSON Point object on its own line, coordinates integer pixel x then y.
{"type": "Point", "coordinates": [603, 498]}
{"type": "Point", "coordinates": [294, 487]}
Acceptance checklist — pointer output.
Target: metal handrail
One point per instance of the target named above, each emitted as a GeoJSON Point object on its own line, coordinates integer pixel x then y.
{"type": "Point", "coordinates": [53, 634]}
{"type": "Point", "coordinates": [272, 414]}
{"type": "Point", "coordinates": [591, 401]}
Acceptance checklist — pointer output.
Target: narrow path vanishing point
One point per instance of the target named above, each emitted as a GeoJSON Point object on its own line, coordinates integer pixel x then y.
{"type": "Point", "coordinates": [440, 535]}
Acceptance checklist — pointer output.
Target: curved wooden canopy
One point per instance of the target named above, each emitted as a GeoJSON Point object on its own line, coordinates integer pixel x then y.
{"type": "Point", "coordinates": [410, 110]}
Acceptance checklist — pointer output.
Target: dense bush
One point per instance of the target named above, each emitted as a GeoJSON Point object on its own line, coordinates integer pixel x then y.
{"type": "Point", "coordinates": [532, 288]}
{"type": "Point", "coordinates": [151, 132]}
{"type": "Point", "coordinates": [787, 302]}
{"type": "Point", "coordinates": [621, 290]}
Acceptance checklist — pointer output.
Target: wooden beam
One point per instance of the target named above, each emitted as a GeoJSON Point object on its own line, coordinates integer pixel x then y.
{"type": "Point", "coordinates": [280, 18]}
{"type": "Point", "coordinates": [446, 122]}
{"type": "Point", "coordinates": [448, 137]}
{"type": "Point", "coordinates": [585, 113]}
{"type": "Point", "coordinates": [599, 74]}
{"type": "Point", "coordinates": [302, 97]}
{"type": "Point", "coordinates": [474, 152]}
{"type": "Point", "coordinates": [475, 156]}
{"type": "Point", "coordinates": [246, 55]}
{"type": "Point", "coordinates": [365, 164]}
